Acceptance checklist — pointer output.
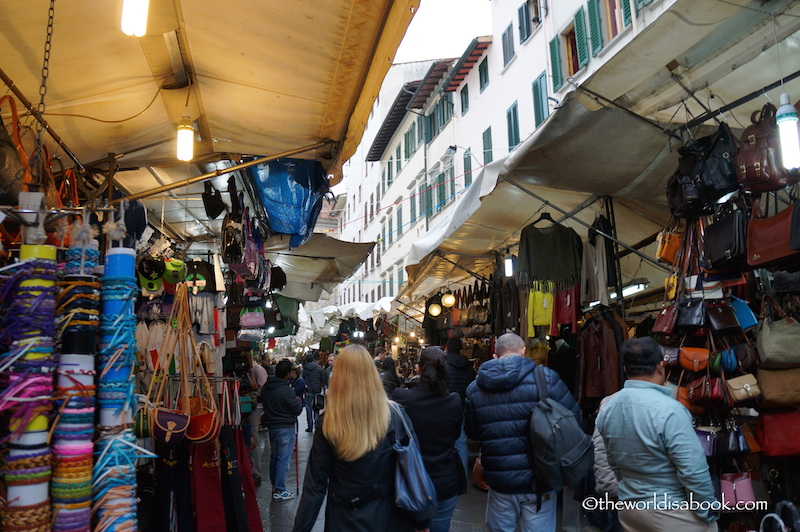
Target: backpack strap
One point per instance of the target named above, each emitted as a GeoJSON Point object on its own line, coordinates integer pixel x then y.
{"type": "Point", "coordinates": [541, 382]}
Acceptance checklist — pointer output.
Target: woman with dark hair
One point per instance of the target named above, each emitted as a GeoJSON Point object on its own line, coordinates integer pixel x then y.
{"type": "Point", "coordinates": [437, 416]}
{"type": "Point", "coordinates": [389, 376]}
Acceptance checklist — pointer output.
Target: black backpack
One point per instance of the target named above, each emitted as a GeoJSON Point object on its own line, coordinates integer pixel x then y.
{"type": "Point", "coordinates": [562, 454]}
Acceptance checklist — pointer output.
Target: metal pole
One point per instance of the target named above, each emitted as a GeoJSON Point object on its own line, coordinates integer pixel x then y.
{"type": "Point", "coordinates": [578, 220]}
{"type": "Point", "coordinates": [218, 172]}
{"type": "Point", "coordinates": [38, 116]}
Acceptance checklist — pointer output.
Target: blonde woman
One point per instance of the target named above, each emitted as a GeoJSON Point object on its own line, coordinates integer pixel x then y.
{"type": "Point", "coordinates": [351, 459]}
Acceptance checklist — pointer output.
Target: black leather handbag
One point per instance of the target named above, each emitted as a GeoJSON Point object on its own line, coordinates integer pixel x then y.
{"type": "Point", "coordinates": [691, 313]}
{"type": "Point", "coordinates": [725, 241]}
{"type": "Point", "coordinates": [731, 440]}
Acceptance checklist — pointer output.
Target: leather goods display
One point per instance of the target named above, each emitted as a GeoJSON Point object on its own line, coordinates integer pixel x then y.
{"type": "Point", "coordinates": [778, 340]}
{"type": "Point", "coordinates": [691, 313]}
{"type": "Point", "coordinates": [780, 387]}
{"type": "Point", "coordinates": [684, 197]}
{"type": "Point", "coordinates": [725, 240]}
{"type": "Point", "coordinates": [729, 362]}
{"type": "Point", "coordinates": [670, 355]}
{"type": "Point", "coordinates": [721, 317]}
{"type": "Point", "coordinates": [706, 390]}
{"type": "Point", "coordinates": [777, 432]}
{"type": "Point", "coordinates": [731, 440]}
{"type": "Point", "coordinates": [167, 426]}
{"type": "Point", "coordinates": [683, 398]}
{"type": "Point", "coordinates": [744, 314]}
{"type": "Point", "coordinates": [414, 489]}
{"type": "Point", "coordinates": [695, 286]}
{"type": "Point", "coordinates": [737, 488]}
{"type": "Point", "coordinates": [768, 238]}
{"type": "Point", "coordinates": [708, 441]}
{"type": "Point", "coordinates": [758, 162]}
{"type": "Point", "coordinates": [694, 358]}
{"type": "Point", "coordinates": [668, 243]}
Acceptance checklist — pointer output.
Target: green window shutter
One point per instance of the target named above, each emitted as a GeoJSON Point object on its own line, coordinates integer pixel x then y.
{"type": "Point", "coordinates": [390, 232]}
{"type": "Point", "coordinates": [383, 182]}
{"type": "Point", "coordinates": [429, 128]}
{"type": "Point", "coordinates": [512, 121]}
{"type": "Point", "coordinates": [641, 3]}
{"type": "Point", "coordinates": [581, 42]}
{"type": "Point", "coordinates": [390, 173]}
{"type": "Point", "coordinates": [539, 100]}
{"type": "Point", "coordinates": [626, 12]}
{"type": "Point", "coordinates": [487, 146]}
{"type": "Point", "coordinates": [593, 8]}
{"type": "Point", "coordinates": [413, 205]}
{"type": "Point", "coordinates": [399, 221]}
{"type": "Point", "coordinates": [555, 63]}
{"type": "Point", "coordinates": [398, 154]}
{"type": "Point", "coordinates": [464, 100]}
{"type": "Point", "coordinates": [467, 168]}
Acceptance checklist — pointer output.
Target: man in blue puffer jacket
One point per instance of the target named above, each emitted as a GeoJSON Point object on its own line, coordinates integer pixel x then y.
{"type": "Point", "coordinates": [498, 406]}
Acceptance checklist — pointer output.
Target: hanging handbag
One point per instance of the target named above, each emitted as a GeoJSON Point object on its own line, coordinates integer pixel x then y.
{"type": "Point", "coordinates": [778, 340]}
{"type": "Point", "coordinates": [706, 390]}
{"type": "Point", "coordinates": [693, 358]}
{"type": "Point", "coordinates": [708, 441]}
{"type": "Point", "coordinates": [252, 318]}
{"type": "Point", "coordinates": [737, 488]}
{"type": "Point", "coordinates": [665, 321]}
{"type": "Point", "coordinates": [768, 238]}
{"type": "Point", "coordinates": [669, 242]}
{"type": "Point", "coordinates": [725, 240]}
{"type": "Point", "coordinates": [212, 201]}
{"type": "Point", "coordinates": [695, 286]}
{"type": "Point", "coordinates": [746, 355]}
{"type": "Point", "coordinates": [780, 387]}
{"type": "Point", "coordinates": [670, 355]}
{"type": "Point", "coordinates": [683, 398]}
{"type": "Point", "coordinates": [414, 489]}
{"type": "Point", "coordinates": [745, 316]}
{"type": "Point", "coordinates": [777, 432]}
{"type": "Point", "coordinates": [731, 441]}
{"type": "Point", "coordinates": [691, 313]}
{"type": "Point", "coordinates": [721, 318]}
{"type": "Point", "coordinates": [758, 162]}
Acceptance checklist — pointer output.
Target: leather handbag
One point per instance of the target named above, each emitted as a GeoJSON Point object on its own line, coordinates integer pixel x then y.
{"type": "Point", "coordinates": [252, 318]}
{"type": "Point", "coordinates": [725, 240]}
{"type": "Point", "coordinates": [778, 340]}
{"type": "Point", "coordinates": [777, 432]}
{"type": "Point", "coordinates": [683, 398]}
{"type": "Point", "coordinates": [746, 355]}
{"type": "Point", "coordinates": [684, 196]}
{"type": "Point", "coordinates": [768, 238]}
{"type": "Point", "coordinates": [780, 387]}
{"type": "Point", "coordinates": [706, 390]}
{"type": "Point", "coordinates": [721, 317]}
{"type": "Point", "coordinates": [695, 286]}
{"type": "Point", "coordinates": [691, 313]}
{"type": "Point", "coordinates": [414, 489]}
{"type": "Point", "coordinates": [744, 314]}
{"type": "Point", "coordinates": [737, 488]}
{"type": "Point", "coordinates": [758, 162]}
{"type": "Point", "coordinates": [212, 201]}
{"type": "Point", "coordinates": [665, 321]}
{"type": "Point", "coordinates": [167, 426]}
{"type": "Point", "coordinates": [694, 358]}
{"type": "Point", "coordinates": [670, 355]}
{"type": "Point", "coordinates": [669, 242]}
{"type": "Point", "coordinates": [708, 441]}
{"type": "Point", "coordinates": [731, 441]}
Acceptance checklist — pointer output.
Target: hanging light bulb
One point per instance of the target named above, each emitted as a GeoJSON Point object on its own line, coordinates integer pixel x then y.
{"type": "Point", "coordinates": [448, 300]}
{"type": "Point", "coordinates": [786, 117]}
{"type": "Point", "coordinates": [332, 330]}
{"type": "Point", "coordinates": [509, 263]}
{"type": "Point", "coordinates": [397, 339]}
{"type": "Point", "coordinates": [435, 309]}
{"type": "Point", "coordinates": [134, 17]}
{"type": "Point", "coordinates": [412, 334]}
{"type": "Point", "coordinates": [185, 138]}
{"type": "Point", "coordinates": [271, 330]}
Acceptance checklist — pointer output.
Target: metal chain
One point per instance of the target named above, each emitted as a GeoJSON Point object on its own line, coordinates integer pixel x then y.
{"type": "Point", "coordinates": [45, 69]}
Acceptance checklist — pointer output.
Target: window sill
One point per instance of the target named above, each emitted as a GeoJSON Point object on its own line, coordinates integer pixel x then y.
{"type": "Point", "coordinates": [610, 44]}
{"type": "Point", "coordinates": [510, 62]}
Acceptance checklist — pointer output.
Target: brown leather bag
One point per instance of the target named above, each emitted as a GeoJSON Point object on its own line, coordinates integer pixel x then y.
{"type": "Point", "coordinates": [768, 238]}
{"type": "Point", "coordinates": [780, 387]}
{"type": "Point", "coordinates": [694, 358]}
{"type": "Point", "coordinates": [758, 162]}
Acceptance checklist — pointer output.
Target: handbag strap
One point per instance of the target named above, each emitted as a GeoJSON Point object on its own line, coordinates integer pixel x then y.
{"type": "Point", "coordinates": [402, 420]}
{"type": "Point", "coordinates": [776, 306]}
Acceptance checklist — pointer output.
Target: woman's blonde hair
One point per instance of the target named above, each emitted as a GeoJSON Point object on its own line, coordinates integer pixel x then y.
{"type": "Point", "coordinates": [357, 414]}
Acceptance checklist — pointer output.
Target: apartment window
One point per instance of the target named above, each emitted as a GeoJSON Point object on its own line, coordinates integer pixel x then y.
{"type": "Point", "coordinates": [390, 173]}
{"type": "Point", "coordinates": [577, 47]}
{"type": "Point", "coordinates": [398, 157]}
{"type": "Point", "coordinates": [372, 296]}
{"type": "Point", "coordinates": [439, 116]}
{"type": "Point", "coordinates": [536, 12]}
{"type": "Point", "coordinates": [412, 138]}
{"type": "Point", "coordinates": [555, 63]}
{"type": "Point", "coordinates": [512, 121]}
{"type": "Point", "coordinates": [540, 107]}
{"type": "Point", "coordinates": [390, 232]}
{"type": "Point", "coordinates": [464, 100]}
{"type": "Point", "coordinates": [371, 206]}
{"type": "Point", "coordinates": [483, 73]}
{"type": "Point", "coordinates": [372, 261]}
{"type": "Point", "coordinates": [420, 130]}
{"type": "Point", "coordinates": [508, 44]}
{"type": "Point", "coordinates": [391, 285]}
{"type": "Point", "coordinates": [383, 239]}
{"type": "Point", "coordinates": [377, 255]}
{"type": "Point", "coordinates": [399, 220]}
{"type": "Point", "coordinates": [380, 291]}
{"type": "Point", "coordinates": [487, 146]}
{"type": "Point", "coordinates": [595, 26]}
{"type": "Point", "coordinates": [400, 279]}
{"type": "Point", "coordinates": [440, 192]}
{"type": "Point", "coordinates": [366, 213]}
{"type": "Point", "coordinates": [383, 182]}
{"type": "Point", "coordinates": [451, 178]}
{"type": "Point", "coordinates": [525, 23]}
{"type": "Point", "coordinates": [467, 168]}
{"type": "Point", "coordinates": [413, 204]}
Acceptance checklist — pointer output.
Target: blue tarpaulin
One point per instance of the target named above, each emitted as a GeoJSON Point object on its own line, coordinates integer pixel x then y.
{"type": "Point", "coordinates": [291, 191]}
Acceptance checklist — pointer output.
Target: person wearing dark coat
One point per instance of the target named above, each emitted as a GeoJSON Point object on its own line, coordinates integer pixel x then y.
{"type": "Point", "coordinates": [352, 461]}
{"type": "Point", "coordinates": [281, 408]}
{"type": "Point", "coordinates": [389, 376]}
{"type": "Point", "coordinates": [498, 407]}
{"type": "Point", "coordinates": [437, 416]}
{"type": "Point", "coordinates": [459, 375]}
{"type": "Point", "coordinates": [315, 379]}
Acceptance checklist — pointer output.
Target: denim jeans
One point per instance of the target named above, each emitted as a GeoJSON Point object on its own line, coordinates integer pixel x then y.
{"type": "Point", "coordinates": [281, 443]}
{"type": "Point", "coordinates": [312, 416]}
{"type": "Point", "coordinates": [504, 511]}
{"type": "Point", "coordinates": [461, 449]}
{"type": "Point", "coordinates": [444, 512]}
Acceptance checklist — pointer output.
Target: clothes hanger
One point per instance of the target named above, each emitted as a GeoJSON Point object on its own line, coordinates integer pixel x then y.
{"type": "Point", "coordinates": [544, 216]}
